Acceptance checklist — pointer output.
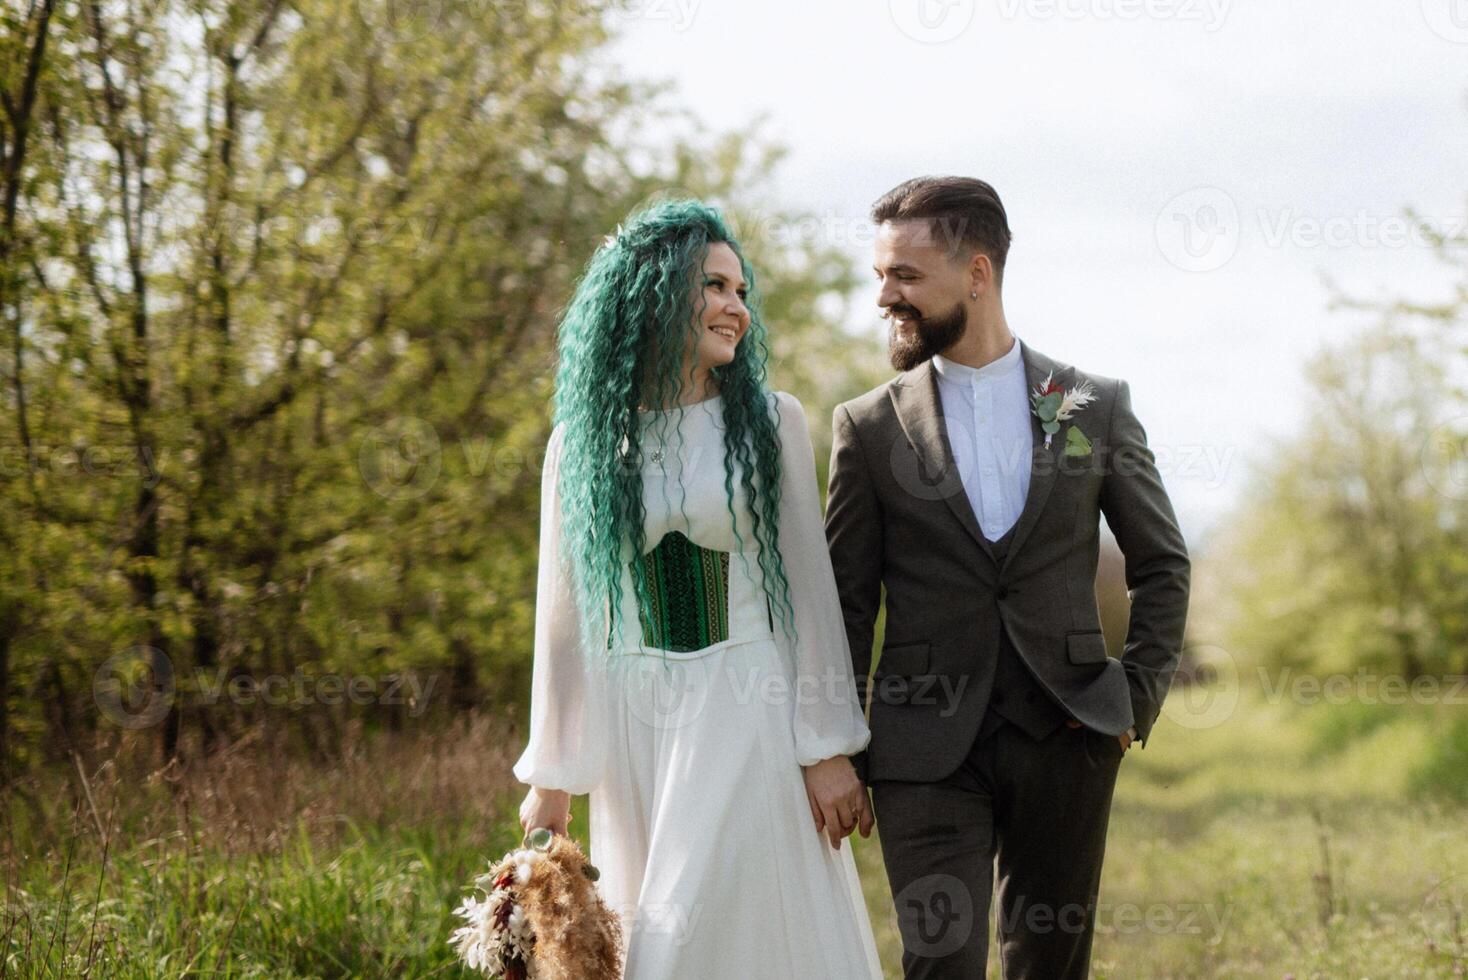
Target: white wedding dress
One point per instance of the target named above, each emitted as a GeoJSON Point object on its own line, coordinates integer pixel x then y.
{"type": "Point", "coordinates": [700, 823]}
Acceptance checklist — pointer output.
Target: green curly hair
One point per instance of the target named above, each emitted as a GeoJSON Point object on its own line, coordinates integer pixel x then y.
{"type": "Point", "coordinates": [621, 343]}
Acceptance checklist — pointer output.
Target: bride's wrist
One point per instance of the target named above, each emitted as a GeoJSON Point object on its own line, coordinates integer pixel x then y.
{"type": "Point", "coordinates": [828, 761]}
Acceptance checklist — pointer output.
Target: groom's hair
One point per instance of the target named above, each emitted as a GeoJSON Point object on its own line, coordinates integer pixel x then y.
{"type": "Point", "coordinates": [961, 211]}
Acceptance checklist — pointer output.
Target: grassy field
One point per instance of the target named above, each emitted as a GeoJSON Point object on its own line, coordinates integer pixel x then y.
{"type": "Point", "coordinates": [1272, 846]}
{"type": "Point", "coordinates": [1285, 842]}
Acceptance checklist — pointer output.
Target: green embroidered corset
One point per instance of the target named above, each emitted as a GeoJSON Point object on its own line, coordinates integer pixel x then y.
{"type": "Point", "coordinates": [687, 607]}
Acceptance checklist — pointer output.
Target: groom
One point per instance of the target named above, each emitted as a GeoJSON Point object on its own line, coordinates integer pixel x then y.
{"type": "Point", "coordinates": [973, 493]}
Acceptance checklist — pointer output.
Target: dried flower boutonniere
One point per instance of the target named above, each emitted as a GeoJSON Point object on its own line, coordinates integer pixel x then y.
{"type": "Point", "coordinates": [1053, 406]}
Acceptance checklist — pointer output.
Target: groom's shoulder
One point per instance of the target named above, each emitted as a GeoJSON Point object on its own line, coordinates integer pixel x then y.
{"type": "Point", "coordinates": [1070, 376]}
{"type": "Point", "coordinates": [1105, 385]}
{"type": "Point", "coordinates": [1106, 391]}
{"type": "Point", "coordinates": [872, 405]}
{"type": "Point", "coordinates": [1106, 388]}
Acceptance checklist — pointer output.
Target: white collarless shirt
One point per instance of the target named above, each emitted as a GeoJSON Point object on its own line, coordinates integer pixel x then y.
{"type": "Point", "coordinates": [988, 417]}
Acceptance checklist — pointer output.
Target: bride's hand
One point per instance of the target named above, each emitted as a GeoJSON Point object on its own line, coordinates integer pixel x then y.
{"type": "Point", "coordinates": [549, 808]}
{"type": "Point", "coordinates": [838, 800]}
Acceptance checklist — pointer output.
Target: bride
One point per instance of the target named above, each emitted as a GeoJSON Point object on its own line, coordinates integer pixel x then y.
{"type": "Point", "coordinates": [691, 667]}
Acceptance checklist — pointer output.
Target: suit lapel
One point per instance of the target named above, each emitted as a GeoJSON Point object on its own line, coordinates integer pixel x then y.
{"type": "Point", "coordinates": [920, 412]}
{"type": "Point", "coordinates": [1044, 463]}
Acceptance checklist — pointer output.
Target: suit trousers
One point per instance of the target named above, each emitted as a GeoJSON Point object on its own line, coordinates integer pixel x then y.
{"type": "Point", "coordinates": [1031, 812]}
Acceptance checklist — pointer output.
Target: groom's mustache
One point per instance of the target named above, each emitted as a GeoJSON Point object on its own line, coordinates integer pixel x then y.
{"type": "Point", "coordinates": [902, 310]}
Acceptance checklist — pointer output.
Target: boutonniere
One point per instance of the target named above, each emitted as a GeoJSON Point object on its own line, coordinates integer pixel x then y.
{"type": "Point", "coordinates": [1053, 406]}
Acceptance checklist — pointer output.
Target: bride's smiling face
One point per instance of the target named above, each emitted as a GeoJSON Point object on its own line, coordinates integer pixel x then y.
{"type": "Point", "coordinates": [720, 290]}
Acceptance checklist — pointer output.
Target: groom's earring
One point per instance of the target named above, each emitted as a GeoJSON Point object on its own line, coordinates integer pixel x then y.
{"type": "Point", "coordinates": [974, 295]}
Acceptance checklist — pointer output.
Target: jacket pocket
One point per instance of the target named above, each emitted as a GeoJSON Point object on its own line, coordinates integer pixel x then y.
{"type": "Point", "coordinates": [905, 660]}
{"type": "Point", "coordinates": [1086, 648]}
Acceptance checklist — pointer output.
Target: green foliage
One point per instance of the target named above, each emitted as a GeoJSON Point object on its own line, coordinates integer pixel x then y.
{"type": "Point", "coordinates": [1335, 729]}
{"type": "Point", "coordinates": [1348, 551]}
{"type": "Point", "coordinates": [279, 306]}
{"type": "Point", "coordinates": [1444, 771]}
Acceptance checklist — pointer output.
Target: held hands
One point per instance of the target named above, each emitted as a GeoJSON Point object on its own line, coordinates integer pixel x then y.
{"type": "Point", "coordinates": [1124, 738]}
{"type": "Point", "coordinates": [548, 808]}
{"type": "Point", "coordinates": [838, 800]}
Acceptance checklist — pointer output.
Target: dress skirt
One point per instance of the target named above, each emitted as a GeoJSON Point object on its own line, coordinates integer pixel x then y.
{"type": "Point", "coordinates": [702, 830]}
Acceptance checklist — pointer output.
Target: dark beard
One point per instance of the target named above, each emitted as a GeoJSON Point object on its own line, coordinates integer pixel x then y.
{"type": "Point", "coordinates": [930, 335]}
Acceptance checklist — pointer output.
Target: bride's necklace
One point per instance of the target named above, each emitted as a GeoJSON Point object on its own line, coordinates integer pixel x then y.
{"type": "Point", "coordinates": [657, 454]}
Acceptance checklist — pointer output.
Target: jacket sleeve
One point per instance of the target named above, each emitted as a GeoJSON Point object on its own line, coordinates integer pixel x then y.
{"type": "Point", "coordinates": [853, 528]}
{"type": "Point", "coordinates": [568, 691]}
{"type": "Point", "coordinates": [828, 715]}
{"type": "Point", "coordinates": [1141, 517]}
{"type": "Point", "coordinates": [854, 539]}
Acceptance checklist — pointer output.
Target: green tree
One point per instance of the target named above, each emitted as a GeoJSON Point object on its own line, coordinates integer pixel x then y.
{"type": "Point", "coordinates": [287, 275]}
{"type": "Point", "coordinates": [1351, 548]}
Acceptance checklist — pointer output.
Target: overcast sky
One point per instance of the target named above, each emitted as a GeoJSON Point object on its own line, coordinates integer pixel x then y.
{"type": "Point", "coordinates": [1179, 174]}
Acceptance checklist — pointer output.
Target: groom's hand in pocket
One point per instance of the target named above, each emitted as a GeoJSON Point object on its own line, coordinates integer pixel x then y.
{"type": "Point", "coordinates": [838, 800]}
{"type": "Point", "coordinates": [1125, 738]}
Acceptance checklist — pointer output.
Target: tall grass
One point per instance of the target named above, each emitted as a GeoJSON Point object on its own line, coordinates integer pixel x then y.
{"type": "Point", "coordinates": [1237, 850]}
{"type": "Point", "coordinates": [254, 863]}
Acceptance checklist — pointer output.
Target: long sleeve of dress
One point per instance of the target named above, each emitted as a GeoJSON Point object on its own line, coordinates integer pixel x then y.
{"type": "Point", "coordinates": [828, 715]}
{"type": "Point", "coordinates": [568, 689]}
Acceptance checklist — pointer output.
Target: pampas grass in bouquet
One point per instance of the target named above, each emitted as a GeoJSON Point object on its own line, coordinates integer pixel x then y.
{"type": "Point", "coordinates": [542, 919]}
